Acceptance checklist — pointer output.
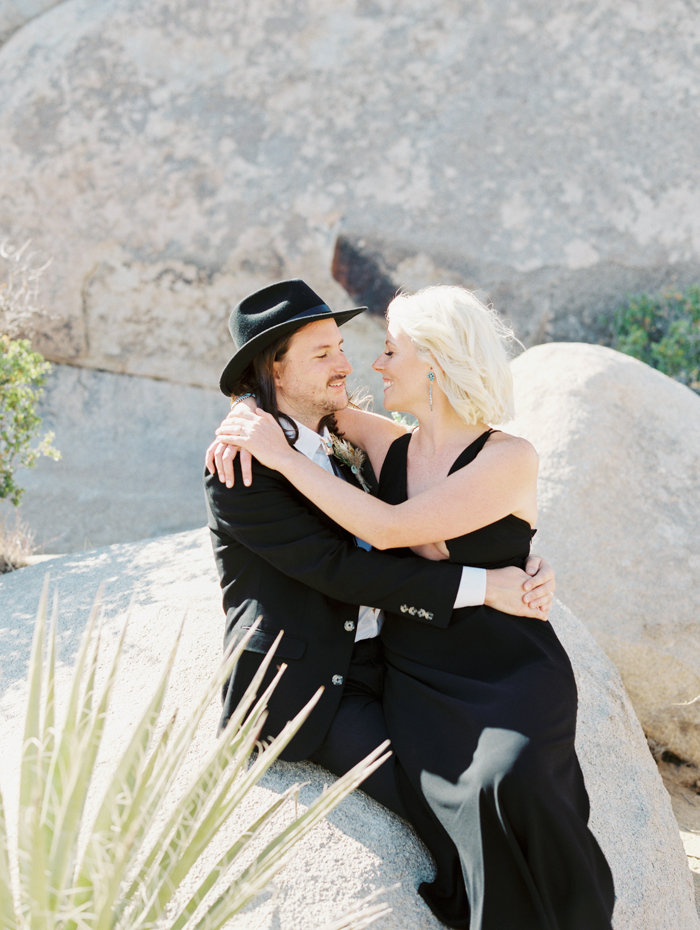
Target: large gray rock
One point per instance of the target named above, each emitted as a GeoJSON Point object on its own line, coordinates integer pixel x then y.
{"type": "Point", "coordinates": [619, 447]}
{"type": "Point", "coordinates": [172, 157]}
{"type": "Point", "coordinates": [362, 847]}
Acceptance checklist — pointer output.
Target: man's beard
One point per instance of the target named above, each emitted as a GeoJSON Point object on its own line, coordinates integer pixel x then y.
{"type": "Point", "coordinates": [315, 407]}
{"type": "Point", "coordinates": [332, 405]}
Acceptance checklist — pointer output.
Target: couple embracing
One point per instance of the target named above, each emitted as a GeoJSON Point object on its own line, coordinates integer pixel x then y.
{"type": "Point", "coordinates": [411, 596]}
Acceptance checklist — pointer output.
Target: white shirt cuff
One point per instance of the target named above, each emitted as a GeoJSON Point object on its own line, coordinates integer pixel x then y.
{"type": "Point", "coordinates": [472, 587]}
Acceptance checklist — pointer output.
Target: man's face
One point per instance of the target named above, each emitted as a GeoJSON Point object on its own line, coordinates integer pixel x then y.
{"type": "Point", "coordinates": [310, 379]}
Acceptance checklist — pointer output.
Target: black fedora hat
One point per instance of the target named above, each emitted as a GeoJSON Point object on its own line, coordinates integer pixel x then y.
{"type": "Point", "coordinates": [262, 317]}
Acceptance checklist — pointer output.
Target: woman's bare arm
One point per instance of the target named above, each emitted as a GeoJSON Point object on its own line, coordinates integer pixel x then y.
{"type": "Point", "coordinates": [370, 431]}
{"type": "Point", "coordinates": [499, 482]}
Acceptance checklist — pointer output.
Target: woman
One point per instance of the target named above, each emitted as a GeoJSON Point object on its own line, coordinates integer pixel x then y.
{"type": "Point", "coordinates": [481, 715]}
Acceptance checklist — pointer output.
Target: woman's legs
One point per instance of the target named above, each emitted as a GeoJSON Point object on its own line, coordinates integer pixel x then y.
{"type": "Point", "coordinates": [528, 859]}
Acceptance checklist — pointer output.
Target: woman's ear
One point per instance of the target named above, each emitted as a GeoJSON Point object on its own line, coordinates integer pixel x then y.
{"type": "Point", "coordinates": [433, 362]}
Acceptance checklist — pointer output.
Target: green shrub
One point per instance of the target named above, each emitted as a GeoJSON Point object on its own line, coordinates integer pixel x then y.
{"type": "Point", "coordinates": [407, 420]}
{"type": "Point", "coordinates": [129, 870]}
{"type": "Point", "coordinates": [22, 371]}
{"type": "Point", "coordinates": [664, 332]}
{"type": "Point", "coordinates": [22, 378]}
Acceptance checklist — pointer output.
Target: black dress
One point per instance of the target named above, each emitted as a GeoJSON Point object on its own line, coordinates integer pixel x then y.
{"type": "Point", "coordinates": [482, 718]}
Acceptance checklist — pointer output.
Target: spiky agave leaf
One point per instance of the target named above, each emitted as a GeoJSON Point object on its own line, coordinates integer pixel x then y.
{"type": "Point", "coordinates": [52, 791]}
{"type": "Point", "coordinates": [31, 840]}
{"type": "Point", "coordinates": [221, 767]}
{"type": "Point", "coordinates": [253, 879]}
{"type": "Point", "coordinates": [49, 771]}
{"type": "Point", "coordinates": [84, 743]}
{"type": "Point", "coordinates": [119, 882]}
{"type": "Point", "coordinates": [360, 919]}
{"type": "Point", "coordinates": [133, 800]}
{"type": "Point", "coordinates": [365, 912]}
{"type": "Point", "coordinates": [8, 914]}
{"type": "Point", "coordinates": [127, 804]}
{"type": "Point", "coordinates": [220, 785]}
{"type": "Point", "coordinates": [48, 722]}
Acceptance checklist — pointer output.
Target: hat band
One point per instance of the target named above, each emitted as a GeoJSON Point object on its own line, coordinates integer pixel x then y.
{"type": "Point", "coordinates": [312, 311]}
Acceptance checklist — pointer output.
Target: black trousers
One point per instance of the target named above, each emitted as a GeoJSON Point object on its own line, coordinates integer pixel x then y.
{"type": "Point", "coordinates": [359, 727]}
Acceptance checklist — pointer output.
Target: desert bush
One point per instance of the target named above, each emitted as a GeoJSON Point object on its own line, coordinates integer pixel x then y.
{"type": "Point", "coordinates": [664, 332]}
{"type": "Point", "coordinates": [139, 865]}
{"type": "Point", "coordinates": [21, 311]}
{"type": "Point", "coordinates": [16, 544]}
{"type": "Point", "coordinates": [22, 371]}
{"type": "Point", "coordinates": [23, 375]}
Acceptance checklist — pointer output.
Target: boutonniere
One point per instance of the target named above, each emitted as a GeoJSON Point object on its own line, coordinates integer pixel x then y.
{"type": "Point", "coordinates": [349, 455]}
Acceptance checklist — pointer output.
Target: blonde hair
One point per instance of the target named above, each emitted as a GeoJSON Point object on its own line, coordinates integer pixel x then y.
{"type": "Point", "coordinates": [467, 342]}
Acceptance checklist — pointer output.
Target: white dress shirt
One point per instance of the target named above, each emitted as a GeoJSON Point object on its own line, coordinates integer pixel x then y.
{"type": "Point", "coordinates": [472, 587]}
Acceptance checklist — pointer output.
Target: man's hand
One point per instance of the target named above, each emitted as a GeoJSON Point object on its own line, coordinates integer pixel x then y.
{"type": "Point", "coordinates": [521, 593]}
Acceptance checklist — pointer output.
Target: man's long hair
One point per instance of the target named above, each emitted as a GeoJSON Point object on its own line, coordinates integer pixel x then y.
{"type": "Point", "coordinates": [259, 379]}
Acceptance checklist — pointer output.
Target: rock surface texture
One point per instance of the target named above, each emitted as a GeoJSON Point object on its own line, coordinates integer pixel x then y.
{"type": "Point", "coordinates": [15, 13]}
{"type": "Point", "coordinates": [619, 447]}
{"type": "Point", "coordinates": [362, 847]}
{"type": "Point", "coordinates": [172, 157]}
{"type": "Point", "coordinates": [132, 459]}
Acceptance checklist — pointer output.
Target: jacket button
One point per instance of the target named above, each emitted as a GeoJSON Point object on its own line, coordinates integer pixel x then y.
{"type": "Point", "coordinates": [337, 679]}
{"type": "Point", "coordinates": [349, 625]}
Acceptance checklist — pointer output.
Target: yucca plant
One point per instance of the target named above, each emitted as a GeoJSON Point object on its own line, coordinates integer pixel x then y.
{"type": "Point", "coordinates": [127, 871]}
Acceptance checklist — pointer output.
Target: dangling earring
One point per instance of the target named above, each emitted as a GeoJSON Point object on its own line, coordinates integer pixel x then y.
{"type": "Point", "coordinates": [431, 378]}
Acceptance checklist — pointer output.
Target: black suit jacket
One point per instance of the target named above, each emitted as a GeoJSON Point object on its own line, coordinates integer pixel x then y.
{"type": "Point", "coordinates": [281, 558]}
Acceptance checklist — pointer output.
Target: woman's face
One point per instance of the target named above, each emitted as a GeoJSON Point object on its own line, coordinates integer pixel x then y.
{"type": "Point", "coordinates": [405, 375]}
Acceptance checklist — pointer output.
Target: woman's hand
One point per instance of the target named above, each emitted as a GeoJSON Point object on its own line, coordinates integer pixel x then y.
{"type": "Point", "coordinates": [257, 433]}
{"type": "Point", "coordinates": [220, 456]}
{"type": "Point", "coordinates": [540, 586]}
{"type": "Point", "coordinates": [528, 593]}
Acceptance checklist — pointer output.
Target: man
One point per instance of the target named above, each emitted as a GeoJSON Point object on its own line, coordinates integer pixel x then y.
{"type": "Point", "coordinates": [279, 557]}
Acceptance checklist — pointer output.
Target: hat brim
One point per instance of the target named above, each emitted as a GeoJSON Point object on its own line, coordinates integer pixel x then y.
{"type": "Point", "coordinates": [247, 352]}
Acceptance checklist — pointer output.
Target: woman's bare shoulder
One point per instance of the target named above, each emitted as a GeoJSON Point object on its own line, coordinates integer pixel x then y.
{"type": "Point", "coordinates": [515, 447]}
